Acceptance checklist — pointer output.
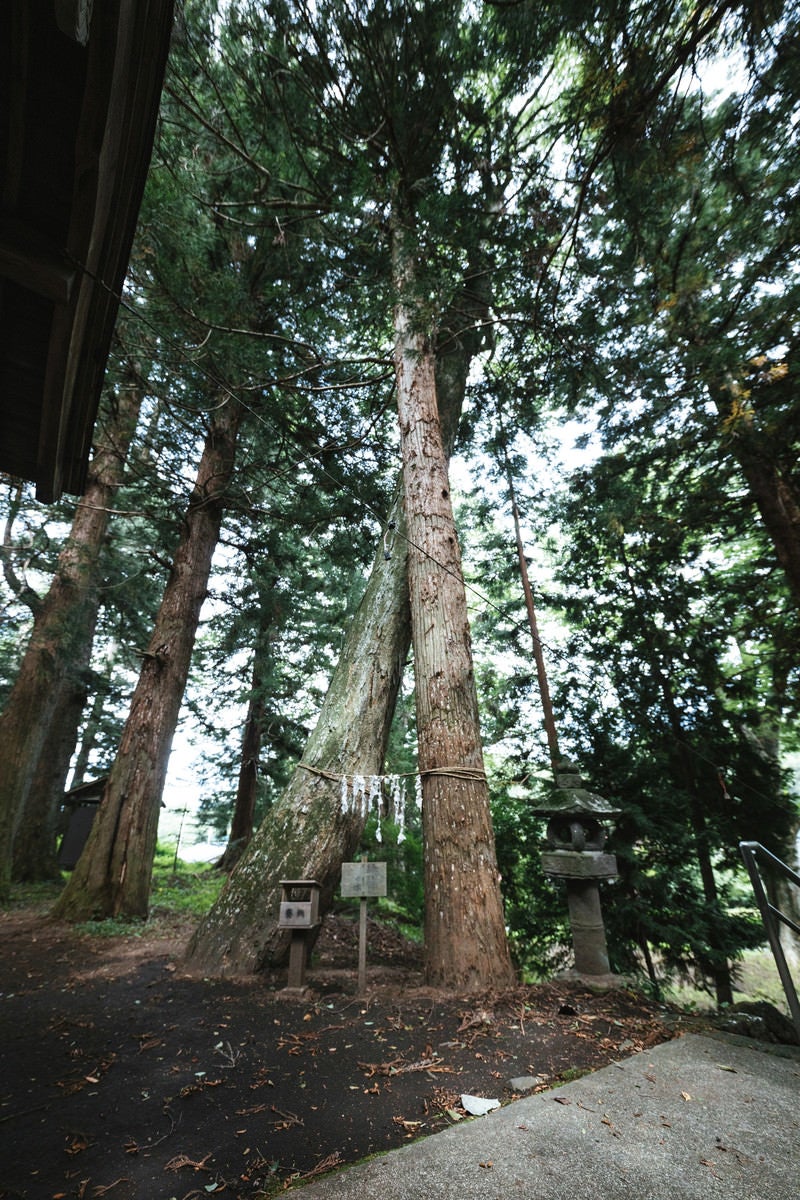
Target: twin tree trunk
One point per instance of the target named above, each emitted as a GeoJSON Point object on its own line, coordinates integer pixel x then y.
{"type": "Point", "coordinates": [308, 833]}
{"type": "Point", "coordinates": [62, 628]}
{"type": "Point", "coordinates": [112, 877]}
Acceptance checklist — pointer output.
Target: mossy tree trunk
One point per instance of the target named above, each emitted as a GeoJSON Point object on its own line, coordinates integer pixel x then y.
{"type": "Point", "coordinates": [308, 833]}
{"type": "Point", "coordinates": [112, 876]}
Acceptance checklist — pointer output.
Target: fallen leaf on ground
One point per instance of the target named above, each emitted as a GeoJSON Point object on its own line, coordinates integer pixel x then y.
{"type": "Point", "coordinates": [481, 1016]}
{"type": "Point", "coordinates": [398, 1067]}
{"type": "Point", "coordinates": [183, 1160]}
{"type": "Point", "coordinates": [324, 1164]}
{"type": "Point", "coordinates": [409, 1126]}
{"type": "Point", "coordinates": [77, 1143]}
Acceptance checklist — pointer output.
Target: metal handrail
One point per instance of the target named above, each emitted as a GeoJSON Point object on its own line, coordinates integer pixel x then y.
{"type": "Point", "coordinates": [752, 853]}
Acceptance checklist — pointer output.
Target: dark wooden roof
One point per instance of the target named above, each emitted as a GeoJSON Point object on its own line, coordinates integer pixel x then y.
{"type": "Point", "coordinates": [80, 82]}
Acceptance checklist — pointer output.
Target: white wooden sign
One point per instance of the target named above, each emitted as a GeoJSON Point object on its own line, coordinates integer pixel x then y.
{"type": "Point", "coordinates": [363, 879]}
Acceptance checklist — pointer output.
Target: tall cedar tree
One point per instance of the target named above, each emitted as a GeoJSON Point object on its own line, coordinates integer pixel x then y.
{"type": "Point", "coordinates": [308, 832]}
{"type": "Point", "coordinates": [401, 66]}
{"type": "Point", "coordinates": [209, 285]}
{"type": "Point", "coordinates": [350, 56]}
{"type": "Point", "coordinates": [59, 642]}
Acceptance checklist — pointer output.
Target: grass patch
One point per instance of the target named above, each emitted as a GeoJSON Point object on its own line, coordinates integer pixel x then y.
{"type": "Point", "coordinates": [571, 1074]}
{"type": "Point", "coordinates": [180, 888]}
{"type": "Point", "coordinates": [111, 927]}
{"type": "Point", "coordinates": [755, 977]}
{"type": "Point", "coordinates": [395, 915]}
{"type": "Point", "coordinates": [39, 895]}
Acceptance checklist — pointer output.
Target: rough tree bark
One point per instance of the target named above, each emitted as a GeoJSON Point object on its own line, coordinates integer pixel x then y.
{"type": "Point", "coordinates": [307, 834]}
{"type": "Point", "coordinates": [112, 876]}
{"type": "Point", "coordinates": [35, 855]}
{"type": "Point", "coordinates": [244, 807]}
{"type": "Point", "coordinates": [59, 628]}
{"type": "Point", "coordinates": [465, 939]}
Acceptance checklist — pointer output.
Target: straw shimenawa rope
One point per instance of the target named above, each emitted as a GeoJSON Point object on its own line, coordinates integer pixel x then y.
{"type": "Point", "coordinates": [454, 772]}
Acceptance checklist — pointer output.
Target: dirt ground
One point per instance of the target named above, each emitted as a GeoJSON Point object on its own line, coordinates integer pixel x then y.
{"type": "Point", "coordinates": [121, 1075]}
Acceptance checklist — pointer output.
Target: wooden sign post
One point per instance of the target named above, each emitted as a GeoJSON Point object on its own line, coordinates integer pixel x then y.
{"type": "Point", "coordinates": [363, 879]}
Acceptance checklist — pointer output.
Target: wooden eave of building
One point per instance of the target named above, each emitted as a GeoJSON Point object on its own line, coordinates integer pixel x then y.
{"type": "Point", "coordinates": [90, 792]}
{"type": "Point", "coordinates": [80, 83]}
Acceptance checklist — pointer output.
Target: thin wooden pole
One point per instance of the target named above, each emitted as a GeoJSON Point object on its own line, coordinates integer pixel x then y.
{"type": "Point", "coordinates": [541, 673]}
{"type": "Point", "coordinates": [362, 948]}
{"type": "Point", "coordinates": [362, 943]}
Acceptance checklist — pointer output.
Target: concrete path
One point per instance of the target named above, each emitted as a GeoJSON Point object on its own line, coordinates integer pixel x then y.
{"type": "Point", "coordinates": [691, 1119]}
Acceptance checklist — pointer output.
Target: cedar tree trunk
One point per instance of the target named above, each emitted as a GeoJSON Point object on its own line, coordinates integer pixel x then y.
{"type": "Point", "coordinates": [465, 939]}
{"type": "Point", "coordinates": [59, 629]}
{"type": "Point", "coordinates": [244, 807]}
{"type": "Point", "coordinates": [35, 844]}
{"type": "Point", "coordinates": [112, 876]}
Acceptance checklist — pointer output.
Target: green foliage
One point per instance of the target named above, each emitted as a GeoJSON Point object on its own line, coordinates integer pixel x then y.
{"type": "Point", "coordinates": [657, 907]}
{"type": "Point", "coordinates": [672, 745]}
{"type": "Point", "coordinates": [755, 978]}
{"type": "Point", "coordinates": [39, 895]}
{"type": "Point", "coordinates": [405, 899]}
{"type": "Point", "coordinates": [637, 245]}
{"type": "Point", "coordinates": [112, 927]}
{"type": "Point", "coordinates": [536, 912]}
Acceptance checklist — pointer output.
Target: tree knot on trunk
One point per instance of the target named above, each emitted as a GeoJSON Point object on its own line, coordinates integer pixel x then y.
{"type": "Point", "coordinates": [158, 656]}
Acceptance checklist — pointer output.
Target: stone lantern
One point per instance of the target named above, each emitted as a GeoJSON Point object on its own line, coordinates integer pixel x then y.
{"type": "Point", "coordinates": [575, 854]}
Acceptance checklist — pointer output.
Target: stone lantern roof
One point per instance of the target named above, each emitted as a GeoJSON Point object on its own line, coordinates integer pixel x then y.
{"type": "Point", "coordinates": [569, 797]}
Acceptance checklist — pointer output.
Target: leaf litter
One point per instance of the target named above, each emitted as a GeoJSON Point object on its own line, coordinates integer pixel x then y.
{"type": "Point", "coordinates": [152, 1072]}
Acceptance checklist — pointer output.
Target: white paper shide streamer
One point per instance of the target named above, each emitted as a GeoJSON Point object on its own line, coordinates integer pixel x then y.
{"type": "Point", "coordinates": [385, 795]}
